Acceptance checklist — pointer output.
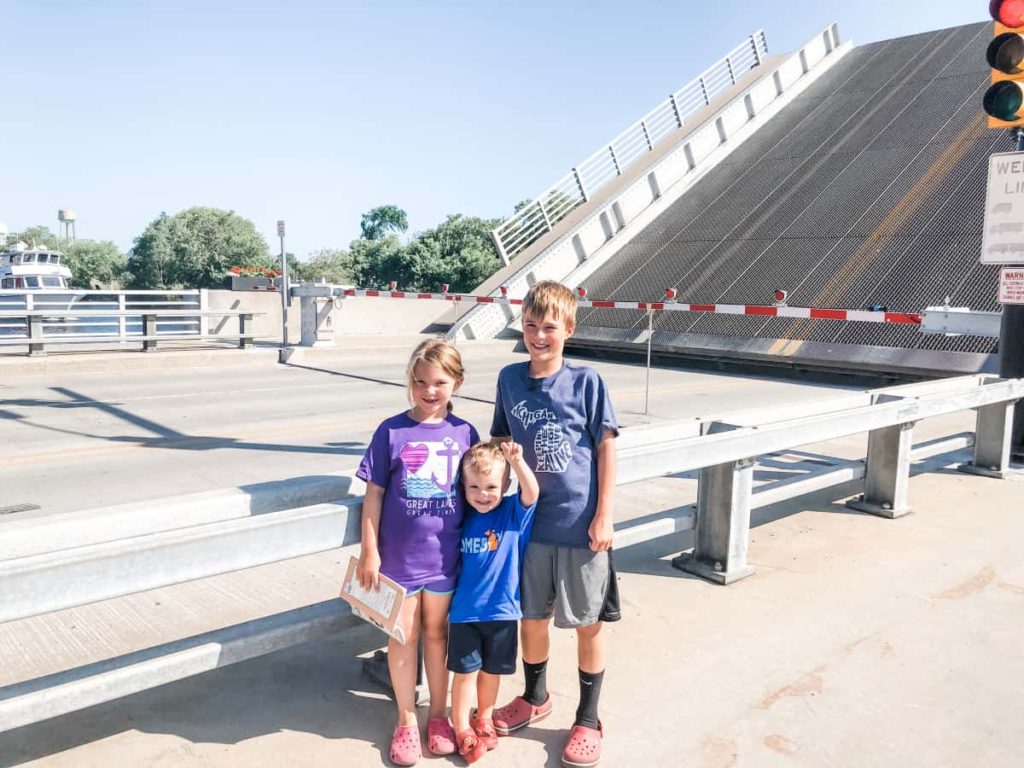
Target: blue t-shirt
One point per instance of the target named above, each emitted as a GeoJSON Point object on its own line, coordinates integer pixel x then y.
{"type": "Point", "coordinates": [492, 547]}
{"type": "Point", "coordinates": [559, 420]}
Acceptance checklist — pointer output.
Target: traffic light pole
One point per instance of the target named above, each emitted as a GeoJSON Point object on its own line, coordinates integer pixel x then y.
{"type": "Point", "coordinates": [1011, 348]}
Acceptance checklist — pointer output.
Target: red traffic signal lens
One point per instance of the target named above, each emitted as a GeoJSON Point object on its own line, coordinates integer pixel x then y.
{"type": "Point", "coordinates": [1006, 52]}
{"type": "Point", "coordinates": [1007, 12]}
{"type": "Point", "coordinates": [1003, 100]}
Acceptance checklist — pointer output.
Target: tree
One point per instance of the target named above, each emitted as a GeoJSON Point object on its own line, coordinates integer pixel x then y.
{"type": "Point", "coordinates": [374, 263]}
{"type": "Point", "coordinates": [195, 249]}
{"type": "Point", "coordinates": [331, 265]}
{"type": "Point", "coordinates": [383, 220]}
{"type": "Point", "coordinates": [459, 252]}
{"type": "Point", "coordinates": [40, 236]}
{"type": "Point", "coordinates": [94, 264]}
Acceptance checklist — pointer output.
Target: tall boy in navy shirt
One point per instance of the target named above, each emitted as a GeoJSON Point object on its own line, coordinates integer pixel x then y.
{"type": "Point", "coordinates": [561, 414]}
{"type": "Point", "coordinates": [485, 611]}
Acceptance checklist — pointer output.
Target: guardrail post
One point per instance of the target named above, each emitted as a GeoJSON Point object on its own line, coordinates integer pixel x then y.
{"type": "Point", "coordinates": [579, 183]}
{"type": "Point", "coordinates": [721, 531]}
{"type": "Point", "coordinates": [122, 319]}
{"type": "Point", "coordinates": [615, 160]}
{"type": "Point", "coordinates": [647, 135]}
{"type": "Point", "coordinates": [500, 248]}
{"type": "Point", "coordinates": [244, 330]}
{"type": "Point", "coordinates": [149, 333]}
{"type": "Point", "coordinates": [36, 345]}
{"type": "Point", "coordinates": [887, 475]}
{"type": "Point", "coordinates": [675, 108]}
{"type": "Point", "coordinates": [992, 436]}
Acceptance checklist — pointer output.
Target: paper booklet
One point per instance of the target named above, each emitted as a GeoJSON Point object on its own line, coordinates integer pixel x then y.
{"type": "Point", "coordinates": [379, 607]}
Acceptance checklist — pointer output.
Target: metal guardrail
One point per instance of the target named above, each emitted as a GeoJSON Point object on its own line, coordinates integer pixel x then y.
{"type": "Point", "coordinates": [35, 328]}
{"type": "Point", "coordinates": [536, 218]}
{"type": "Point", "coordinates": [723, 448]}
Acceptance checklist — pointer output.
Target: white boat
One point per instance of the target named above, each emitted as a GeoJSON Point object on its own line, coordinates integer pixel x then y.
{"type": "Point", "coordinates": [33, 269]}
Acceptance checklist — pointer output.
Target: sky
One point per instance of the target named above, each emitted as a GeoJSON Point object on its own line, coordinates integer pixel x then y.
{"type": "Point", "coordinates": [317, 111]}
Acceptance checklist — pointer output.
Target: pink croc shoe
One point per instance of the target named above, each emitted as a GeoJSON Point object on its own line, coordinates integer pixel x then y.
{"type": "Point", "coordinates": [583, 750]}
{"type": "Point", "coordinates": [440, 736]}
{"type": "Point", "coordinates": [519, 713]}
{"type": "Point", "coordinates": [405, 745]}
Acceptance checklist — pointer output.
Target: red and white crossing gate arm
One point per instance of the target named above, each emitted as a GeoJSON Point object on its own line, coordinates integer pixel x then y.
{"type": "Point", "coordinates": [757, 310]}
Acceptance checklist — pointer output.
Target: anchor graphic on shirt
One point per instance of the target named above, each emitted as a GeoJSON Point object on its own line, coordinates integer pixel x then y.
{"type": "Point", "coordinates": [450, 451]}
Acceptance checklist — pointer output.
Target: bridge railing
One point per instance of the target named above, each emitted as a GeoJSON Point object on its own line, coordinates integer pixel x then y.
{"type": "Point", "coordinates": [539, 216]}
{"type": "Point", "coordinates": [723, 449]}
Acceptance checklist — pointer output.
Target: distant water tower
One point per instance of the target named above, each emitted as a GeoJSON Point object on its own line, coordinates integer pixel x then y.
{"type": "Point", "coordinates": [66, 218]}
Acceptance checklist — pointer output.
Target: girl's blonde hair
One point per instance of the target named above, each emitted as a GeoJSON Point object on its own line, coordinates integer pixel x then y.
{"type": "Point", "coordinates": [435, 352]}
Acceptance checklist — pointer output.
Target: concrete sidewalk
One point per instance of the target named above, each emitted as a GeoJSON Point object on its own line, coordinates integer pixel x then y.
{"type": "Point", "coordinates": [859, 642]}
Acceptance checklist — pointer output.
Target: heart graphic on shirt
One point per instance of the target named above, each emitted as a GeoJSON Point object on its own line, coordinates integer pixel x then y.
{"type": "Point", "coordinates": [414, 456]}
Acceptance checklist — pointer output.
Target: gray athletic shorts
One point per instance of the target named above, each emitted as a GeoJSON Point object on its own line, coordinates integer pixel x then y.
{"type": "Point", "coordinates": [568, 583]}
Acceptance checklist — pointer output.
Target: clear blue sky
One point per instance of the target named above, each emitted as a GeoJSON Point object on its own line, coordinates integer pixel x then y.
{"type": "Point", "coordinates": [321, 110]}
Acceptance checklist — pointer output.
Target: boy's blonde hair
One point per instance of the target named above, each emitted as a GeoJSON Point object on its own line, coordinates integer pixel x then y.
{"type": "Point", "coordinates": [550, 296]}
{"type": "Point", "coordinates": [435, 352]}
{"type": "Point", "coordinates": [482, 458]}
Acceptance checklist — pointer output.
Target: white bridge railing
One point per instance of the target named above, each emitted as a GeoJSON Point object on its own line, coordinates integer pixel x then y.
{"type": "Point", "coordinates": [533, 220]}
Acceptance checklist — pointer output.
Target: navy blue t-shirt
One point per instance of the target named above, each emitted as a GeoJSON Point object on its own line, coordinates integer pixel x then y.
{"type": "Point", "coordinates": [559, 421]}
{"type": "Point", "coordinates": [492, 547]}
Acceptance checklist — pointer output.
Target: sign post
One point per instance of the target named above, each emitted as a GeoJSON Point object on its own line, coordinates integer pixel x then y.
{"type": "Point", "coordinates": [1002, 242]}
{"type": "Point", "coordinates": [286, 298]}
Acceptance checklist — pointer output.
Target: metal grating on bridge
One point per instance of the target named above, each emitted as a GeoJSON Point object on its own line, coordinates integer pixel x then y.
{"type": "Point", "coordinates": [867, 190]}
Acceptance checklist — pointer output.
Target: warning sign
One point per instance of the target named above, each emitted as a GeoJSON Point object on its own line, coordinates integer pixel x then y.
{"type": "Point", "coordinates": [1011, 285]}
{"type": "Point", "coordinates": [1002, 240]}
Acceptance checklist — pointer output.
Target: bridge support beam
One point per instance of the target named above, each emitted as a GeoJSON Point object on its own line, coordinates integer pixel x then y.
{"type": "Point", "coordinates": [721, 532]}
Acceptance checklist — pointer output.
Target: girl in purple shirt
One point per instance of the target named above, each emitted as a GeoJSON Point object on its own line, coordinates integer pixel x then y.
{"type": "Point", "coordinates": [412, 514]}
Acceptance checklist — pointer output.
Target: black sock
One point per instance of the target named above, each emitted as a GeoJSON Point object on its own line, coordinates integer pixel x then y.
{"type": "Point", "coordinates": [590, 693]}
{"type": "Point", "coordinates": [536, 682]}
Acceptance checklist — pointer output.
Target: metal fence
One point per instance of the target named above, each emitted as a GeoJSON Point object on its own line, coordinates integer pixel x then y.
{"type": "Point", "coordinates": [539, 216]}
{"type": "Point", "coordinates": [100, 315]}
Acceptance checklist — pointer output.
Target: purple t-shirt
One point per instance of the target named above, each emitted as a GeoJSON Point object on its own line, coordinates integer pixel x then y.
{"type": "Point", "coordinates": [417, 465]}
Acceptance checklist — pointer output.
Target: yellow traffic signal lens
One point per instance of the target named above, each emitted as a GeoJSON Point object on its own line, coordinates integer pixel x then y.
{"type": "Point", "coordinates": [1007, 12]}
{"type": "Point", "coordinates": [1006, 52]}
{"type": "Point", "coordinates": [1004, 100]}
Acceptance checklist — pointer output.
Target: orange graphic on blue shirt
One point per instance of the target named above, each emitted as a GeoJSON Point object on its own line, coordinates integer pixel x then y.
{"type": "Point", "coordinates": [479, 544]}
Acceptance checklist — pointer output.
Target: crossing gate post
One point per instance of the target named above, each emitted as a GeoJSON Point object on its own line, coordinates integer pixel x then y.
{"type": "Point", "coordinates": [721, 532]}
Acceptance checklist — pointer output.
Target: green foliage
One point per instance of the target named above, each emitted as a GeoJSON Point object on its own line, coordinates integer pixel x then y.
{"type": "Point", "coordinates": [330, 265]}
{"type": "Point", "coordinates": [382, 221]}
{"type": "Point", "coordinates": [39, 236]}
{"type": "Point", "coordinates": [374, 263]}
{"type": "Point", "coordinates": [458, 252]}
{"type": "Point", "coordinates": [195, 249]}
{"type": "Point", "coordinates": [94, 264]}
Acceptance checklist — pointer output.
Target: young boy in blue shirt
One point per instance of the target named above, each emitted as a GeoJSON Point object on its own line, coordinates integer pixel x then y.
{"type": "Point", "coordinates": [561, 414]}
{"type": "Point", "coordinates": [485, 611]}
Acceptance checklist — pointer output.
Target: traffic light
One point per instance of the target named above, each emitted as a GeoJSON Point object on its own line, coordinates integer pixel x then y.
{"type": "Point", "coordinates": [1004, 100]}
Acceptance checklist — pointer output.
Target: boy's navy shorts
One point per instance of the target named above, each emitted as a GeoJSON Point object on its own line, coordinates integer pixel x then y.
{"type": "Point", "coordinates": [488, 645]}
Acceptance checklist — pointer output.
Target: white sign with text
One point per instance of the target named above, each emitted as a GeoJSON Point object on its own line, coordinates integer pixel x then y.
{"type": "Point", "coordinates": [1002, 240]}
{"type": "Point", "coordinates": [1011, 285]}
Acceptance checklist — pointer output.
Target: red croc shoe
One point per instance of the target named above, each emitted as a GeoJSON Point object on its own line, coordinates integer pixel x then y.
{"type": "Point", "coordinates": [470, 746]}
{"type": "Point", "coordinates": [519, 713]}
{"type": "Point", "coordinates": [440, 736]}
{"type": "Point", "coordinates": [583, 750]}
{"type": "Point", "coordinates": [484, 728]}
